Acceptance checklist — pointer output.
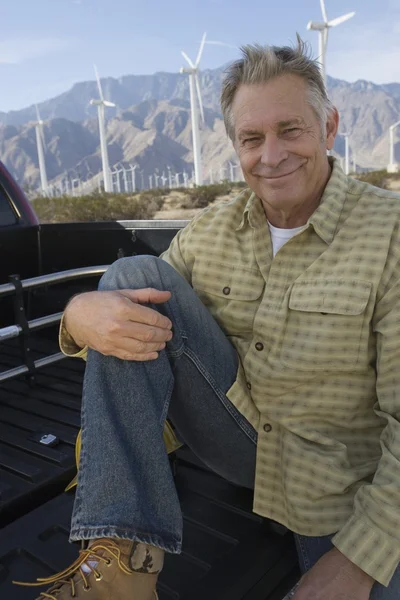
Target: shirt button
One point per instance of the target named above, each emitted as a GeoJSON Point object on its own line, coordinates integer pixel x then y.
{"type": "Point", "coordinates": [267, 427]}
{"type": "Point", "coordinates": [226, 291]}
{"type": "Point", "coordinates": [248, 385]}
{"type": "Point", "coordinates": [259, 346]}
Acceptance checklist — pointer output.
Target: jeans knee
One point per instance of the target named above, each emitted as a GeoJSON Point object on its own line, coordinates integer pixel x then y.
{"type": "Point", "coordinates": [134, 272]}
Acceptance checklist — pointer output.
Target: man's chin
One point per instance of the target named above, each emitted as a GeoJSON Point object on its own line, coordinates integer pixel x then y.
{"type": "Point", "coordinates": [277, 193]}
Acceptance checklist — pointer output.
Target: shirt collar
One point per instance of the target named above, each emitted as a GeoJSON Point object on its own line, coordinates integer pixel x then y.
{"type": "Point", "coordinates": [326, 217]}
{"type": "Point", "coordinates": [253, 213]}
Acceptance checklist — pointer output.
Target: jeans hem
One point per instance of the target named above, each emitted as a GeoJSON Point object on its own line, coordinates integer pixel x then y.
{"type": "Point", "coordinates": [167, 543]}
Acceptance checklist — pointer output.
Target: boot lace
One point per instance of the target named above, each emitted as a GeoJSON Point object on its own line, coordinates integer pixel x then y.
{"type": "Point", "coordinates": [86, 556]}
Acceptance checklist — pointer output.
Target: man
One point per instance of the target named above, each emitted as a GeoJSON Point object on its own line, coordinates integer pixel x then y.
{"type": "Point", "coordinates": [270, 333]}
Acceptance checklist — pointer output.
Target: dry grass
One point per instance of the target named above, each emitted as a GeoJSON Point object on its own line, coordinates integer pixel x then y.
{"type": "Point", "coordinates": [143, 205]}
{"type": "Point", "coordinates": [382, 179]}
{"type": "Point", "coordinates": [98, 207]}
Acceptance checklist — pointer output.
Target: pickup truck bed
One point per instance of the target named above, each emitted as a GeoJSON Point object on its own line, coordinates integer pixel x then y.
{"type": "Point", "coordinates": [229, 553]}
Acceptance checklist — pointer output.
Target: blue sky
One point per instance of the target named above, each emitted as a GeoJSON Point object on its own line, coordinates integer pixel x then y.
{"type": "Point", "coordinates": [47, 45]}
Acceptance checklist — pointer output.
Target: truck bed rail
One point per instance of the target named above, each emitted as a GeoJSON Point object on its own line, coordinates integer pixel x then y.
{"type": "Point", "coordinates": [24, 327]}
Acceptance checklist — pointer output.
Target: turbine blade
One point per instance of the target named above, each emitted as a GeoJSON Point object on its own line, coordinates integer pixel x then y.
{"type": "Point", "coordinates": [108, 103]}
{"type": "Point", "coordinates": [217, 43]}
{"type": "Point", "coordinates": [185, 56]}
{"type": "Point", "coordinates": [98, 83]}
{"type": "Point", "coordinates": [37, 113]}
{"type": "Point", "coordinates": [199, 97]}
{"type": "Point", "coordinates": [198, 59]}
{"type": "Point", "coordinates": [323, 9]}
{"type": "Point", "coordinates": [340, 20]}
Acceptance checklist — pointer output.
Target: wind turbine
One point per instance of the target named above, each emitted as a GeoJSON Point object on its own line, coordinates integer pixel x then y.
{"type": "Point", "coordinates": [346, 153]}
{"type": "Point", "coordinates": [392, 167]}
{"type": "Point", "coordinates": [196, 105]}
{"type": "Point", "coordinates": [323, 30]}
{"type": "Point", "coordinates": [40, 151]}
{"type": "Point", "coordinates": [101, 105]}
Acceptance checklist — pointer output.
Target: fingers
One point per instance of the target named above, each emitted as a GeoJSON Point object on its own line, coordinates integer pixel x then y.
{"type": "Point", "coordinates": [145, 333]}
{"type": "Point", "coordinates": [137, 357]}
{"type": "Point", "coordinates": [147, 295]}
{"type": "Point", "coordinates": [136, 351]}
{"type": "Point", "coordinates": [133, 341]}
{"type": "Point", "coordinates": [143, 314]}
{"type": "Point", "coordinates": [134, 346]}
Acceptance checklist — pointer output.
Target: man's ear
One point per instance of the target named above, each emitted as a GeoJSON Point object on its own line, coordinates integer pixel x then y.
{"type": "Point", "coordinates": [332, 126]}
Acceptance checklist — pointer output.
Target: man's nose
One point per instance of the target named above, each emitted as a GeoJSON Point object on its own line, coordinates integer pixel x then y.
{"type": "Point", "coordinates": [273, 152]}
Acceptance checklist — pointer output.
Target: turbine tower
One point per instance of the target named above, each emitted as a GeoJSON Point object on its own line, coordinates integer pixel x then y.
{"type": "Point", "coordinates": [196, 105]}
{"type": "Point", "coordinates": [392, 167]}
{"type": "Point", "coordinates": [101, 106]}
{"type": "Point", "coordinates": [40, 151]}
{"type": "Point", "coordinates": [346, 153]}
{"type": "Point", "coordinates": [323, 30]}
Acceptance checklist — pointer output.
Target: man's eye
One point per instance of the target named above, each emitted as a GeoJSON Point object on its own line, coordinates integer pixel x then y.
{"type": "Point", "coordinates": [253, 139]}
{"type": "Point", "coordinates": [292, 130]}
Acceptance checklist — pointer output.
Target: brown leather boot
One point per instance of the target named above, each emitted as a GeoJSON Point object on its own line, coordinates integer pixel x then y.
{"type": "Point", "coordinates": [102, 572]}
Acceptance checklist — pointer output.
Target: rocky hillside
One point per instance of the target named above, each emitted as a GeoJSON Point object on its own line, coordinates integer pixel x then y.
{"type": "Point", "coordinates": [151, 128]}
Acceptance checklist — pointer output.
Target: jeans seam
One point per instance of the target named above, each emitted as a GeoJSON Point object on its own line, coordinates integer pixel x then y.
{"type": "Point", "coordinates": [82, 459]}
{"type": "Point", "coordinates": [233, 411]}
{"type": "Point", "coordinates": [164, 414]}
{"type": "Point", "coordinates": [304, 553]}
{"type": "Point", "coordinates": [175, 353]}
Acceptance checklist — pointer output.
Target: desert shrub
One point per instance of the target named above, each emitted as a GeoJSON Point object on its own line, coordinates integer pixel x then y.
{"type": "Point", "coordinates": [241, 185]}
{"type": "Point", "coordinates": [203, 195]}
{"type": "Point", "coordinates": [377, 178]}
{"type": "Point", "coordinates": [155, 193]}
{"type": "Point", "coordinates": [99, 207]}
{"type": "Point", "coordinates": [142, 205]}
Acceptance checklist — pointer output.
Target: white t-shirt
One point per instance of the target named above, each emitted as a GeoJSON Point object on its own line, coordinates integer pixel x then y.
{"type": "Point", "coordinates": [279, 237]}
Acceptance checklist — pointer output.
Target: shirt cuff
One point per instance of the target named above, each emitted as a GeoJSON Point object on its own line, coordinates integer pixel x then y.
{"type": "Point", "coordinates": [68, 345]}
{"type": "Point", "coordinates": [374, 551]}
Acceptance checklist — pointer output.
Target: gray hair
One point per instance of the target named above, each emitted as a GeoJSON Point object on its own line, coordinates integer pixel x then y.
{"type": "Point", "coordinates": [263, 63]}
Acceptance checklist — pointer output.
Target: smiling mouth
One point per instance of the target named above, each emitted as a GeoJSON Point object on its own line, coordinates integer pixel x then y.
{"type": "Point", "coordinates": [281, 176]}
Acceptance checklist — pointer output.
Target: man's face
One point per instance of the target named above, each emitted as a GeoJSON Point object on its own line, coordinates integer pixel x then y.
{"type": "Point", "coordinates": [280, 144]}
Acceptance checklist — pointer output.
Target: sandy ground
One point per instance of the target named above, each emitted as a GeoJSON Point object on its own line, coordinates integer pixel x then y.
{"type": "Point", "coordinates": [172, 207]}
{"type": "Point", "coordinates": [393, 184]}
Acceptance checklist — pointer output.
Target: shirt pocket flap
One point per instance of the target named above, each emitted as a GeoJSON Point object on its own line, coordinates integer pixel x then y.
{"type": "Point", "coordinates": [231, 282]}
{"type": "Point", "coordinates": [333, 296]}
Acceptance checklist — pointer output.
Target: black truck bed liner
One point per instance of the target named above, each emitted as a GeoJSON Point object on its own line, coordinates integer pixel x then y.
{"type": "Point", "coordinates": [229, 553]}
{"type": "Point", "coordinates": [31, 473]}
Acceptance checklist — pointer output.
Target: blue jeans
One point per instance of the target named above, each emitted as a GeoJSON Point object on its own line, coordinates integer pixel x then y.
{"type": "Point", "coordinates": [125, 485]}
{"type": "Point", "coordinates": [310, 550]}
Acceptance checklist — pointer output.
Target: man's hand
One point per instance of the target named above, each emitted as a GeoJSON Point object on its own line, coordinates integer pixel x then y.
{"type": "Point", "coordinates": [334, 577]}
{"type": "Point", "coordinates": [114, 323]}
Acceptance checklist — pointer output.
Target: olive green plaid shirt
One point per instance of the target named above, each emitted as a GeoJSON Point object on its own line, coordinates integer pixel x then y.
{"type": "Point", "coordinates": [317, 330]}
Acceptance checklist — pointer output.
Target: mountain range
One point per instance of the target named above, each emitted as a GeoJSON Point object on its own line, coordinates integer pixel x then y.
{"type": "Point", "coordinates": [151, 127]}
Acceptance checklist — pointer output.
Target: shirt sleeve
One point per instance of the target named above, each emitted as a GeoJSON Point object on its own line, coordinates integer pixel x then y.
{"type": "Point", "coordinates": [371, 537]}
{"type": "Point", "coordinates": [68, 345]}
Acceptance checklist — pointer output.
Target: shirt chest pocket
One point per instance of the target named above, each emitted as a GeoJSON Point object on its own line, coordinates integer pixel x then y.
{"type": "Point", "coordinates": [231, 292]}
{"type": "Point", "coordinates": [326, 324]}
